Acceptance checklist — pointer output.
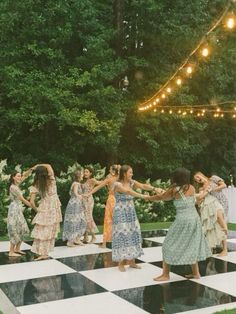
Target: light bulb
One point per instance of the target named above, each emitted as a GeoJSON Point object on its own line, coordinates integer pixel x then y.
{"type": "Point", "coordinates": [179, 81]}
{"type": "Point", "coordinates": [230, 23]}
{"type": "Point", "coordinates": [205, 52]}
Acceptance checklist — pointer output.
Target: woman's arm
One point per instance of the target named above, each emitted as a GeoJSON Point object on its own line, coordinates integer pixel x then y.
{"type": "Point", "coordinates": [27, 173]}
{"type": "Point", "coordinates": [75, 190]}
{"type": "Point", "coordinates": [220, 186]}
{"type": "Point", "coordinates": [166, 196]}
{"type": "Point", "coordinates": [144, 186]}
{"type": "Point", "coordinates": [32, 201]}
{"type": "Point", "coordinates": [49, 169]}
{"type": "Point", "coordinates": [100, 185]}
{"type": "Point", "coordinates": [121, 189]}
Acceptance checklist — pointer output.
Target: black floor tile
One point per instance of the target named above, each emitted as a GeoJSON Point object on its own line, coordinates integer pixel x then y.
{"type": "Point", "coordinates": [174, 297]}
{"type": "Point", "coordinates": [51, 288]}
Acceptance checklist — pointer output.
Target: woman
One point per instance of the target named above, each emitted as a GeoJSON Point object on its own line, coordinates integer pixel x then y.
{"type": "Point", "coordinates": [74, 221]}
{"type": "Point", "coordinates": [16, 224]}
{"type": "Point", "coordinates": [185, 243]}
{"type": "Point", "coordinates": [109, 182]}
{"type": "Point", "coordinates": [126, 233]}
{"type": "Point", "coordinates": [215, 186]}
{"type": "Point", "coordinates": [48, 217]}
{"type": "Point", "coordinates": [88, 184]}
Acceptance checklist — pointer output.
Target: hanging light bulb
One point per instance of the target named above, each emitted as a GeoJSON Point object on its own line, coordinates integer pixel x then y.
{"type": "Point", "coordinates": [157, 99]}
{"type": "Point", "coordinates": [162, 111]}
{"type": "Point", "coordinates": [205, 52]}
{"type": "Point", "coordinates": [191, 111]}
{"type": "Point", "coordinates": [230, 23]}
{"type": "Point", "coordinates": [170, 112]}
{"type": "Point", "coordinates": [168, 90]}
{"type": "Point", "coordinates": [189, 70]}
{"type": "Point", "coordinates": [234, 115]}
{"type": "Point", "coordinates": [218, 109]}
{"type": "Point", "coordinates": [178, 81]}
{"type": "Point", "coordinates": [155, 110]}
{"type": "Point", "coordinates": [179, 111]}
{"type": "Point", "coordinates": [222, 115]}
{"type": "Point", "coordinates": [163, 96]}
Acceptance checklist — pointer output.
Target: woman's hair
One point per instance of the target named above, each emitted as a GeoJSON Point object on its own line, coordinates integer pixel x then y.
{"type": "Point", "coordinates": [200, 173]}
{"type": "Point", "coordinates": [181, 177]}
{"type": "Point", "coordinates": [123, 170]}
{"type": "Point", "coordinates": [41, 179]}
{"type": "Point", "coordinates": [11, 180]}
{"type": "Point", "coordinates": [77, 175]}
{"type": "Point", "coordinates": [115, 169]}
{"type": "Point", "coordinates": [91, 170]}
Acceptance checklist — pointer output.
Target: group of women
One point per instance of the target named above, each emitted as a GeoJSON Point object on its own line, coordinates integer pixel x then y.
{"type": "Point", "coordinates": [190, 239]}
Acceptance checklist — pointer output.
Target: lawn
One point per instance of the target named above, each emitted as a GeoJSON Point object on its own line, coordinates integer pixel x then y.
{"type": "Point", "coordinates": [232, 311]}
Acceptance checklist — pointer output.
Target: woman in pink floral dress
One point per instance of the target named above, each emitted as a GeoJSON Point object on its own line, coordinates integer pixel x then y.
{"type": "Point", "coordinates": [48, 217]}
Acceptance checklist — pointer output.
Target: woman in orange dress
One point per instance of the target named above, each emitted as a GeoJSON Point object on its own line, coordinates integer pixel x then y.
{"type": "Point", "coordinates": [110, 204]}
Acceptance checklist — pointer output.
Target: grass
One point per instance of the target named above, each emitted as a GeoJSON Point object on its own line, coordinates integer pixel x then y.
{"type": "Point", "coordinates": [232, 311]}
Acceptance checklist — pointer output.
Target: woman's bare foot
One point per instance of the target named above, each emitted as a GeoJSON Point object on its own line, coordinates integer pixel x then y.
{"type": "Point", "coordinates": [20, 252]}
{"type": "Point", "coordinates": [93, 239]}
{"type": "Point", "coordinates": [223, 253]}
{"type": "Point", "coordinates": [102, 245]}
{"type": "Point", "coordinates": [70, 244]}
{"type": "Point", "coordinates": [41, 257]}
{"type": "Point", "coordinates": [78, 242]}
{"type": "Point", "coordinates": [191, 276]}
{"type": "Point", "coordinates": [134, 265]}
{"type": "Point", "coordinates": [162, 278]}
{"type": "Point", "coordinates": [121, 268]}
{"type": "Point", "coordinates": [13, 254]}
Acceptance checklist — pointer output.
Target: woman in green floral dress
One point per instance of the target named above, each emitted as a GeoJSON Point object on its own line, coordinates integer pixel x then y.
{"type": "Point", "coordinates": [185, 243]}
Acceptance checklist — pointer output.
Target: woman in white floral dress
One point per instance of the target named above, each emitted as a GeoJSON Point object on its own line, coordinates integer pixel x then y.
{"type": "Point", "coordinates": [48, 217]}
{"type": "Point", "coordinates": [16, 224]}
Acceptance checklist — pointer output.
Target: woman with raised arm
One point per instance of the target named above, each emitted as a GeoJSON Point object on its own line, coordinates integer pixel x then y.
{"type": "Point", "coordinates": [48, 217]}
{"type": "Point", "coordinates": [214, 185]}
{"type": "Point", "coordinates": [110, 203]}
{"type": "Point", "coordinates": [185, 243]}
{"type": "Point", "coordinates": [16, 224]}
{"type": "Point", "coordinates": [126, 233]}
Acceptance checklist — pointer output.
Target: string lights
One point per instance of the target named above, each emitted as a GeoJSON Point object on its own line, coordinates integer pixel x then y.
{"type": "Point", "coordinates": [203, 50]}
{"type": "Point", "coordinates": [199, 111]}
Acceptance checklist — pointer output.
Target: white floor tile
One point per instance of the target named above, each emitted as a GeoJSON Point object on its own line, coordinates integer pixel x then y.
{"type": "Point", "coordinates": [65, 251]}
{"type": "Point", "coordinates": [112, 279]}
{"type": "Point", "coordinates": [14, 272]}
{"type": "Point", "coordinates": [5, 245]}
{"type": "Point", "coordinates": [101, 303]}
{"type": "Point", "coordinates": [212, 309]}
{"type": "Point", "coordinates": [232, 240]}
{"type": "Point", "coordinates": [231, 257]}
{"type": "Point", "coordinates": [223, 282]}
{"type": "Point", "coordinates": [151, 254]}
{"type": "Point", "coordinates": [156, 239]}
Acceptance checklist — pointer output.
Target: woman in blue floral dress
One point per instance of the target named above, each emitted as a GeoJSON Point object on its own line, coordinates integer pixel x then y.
{"type": "Point", "coordinates": [185, 243]}
{"type": "Point", "coordinates": [126, 234]}
{"type": "Point", "coordinates": [74, 221]}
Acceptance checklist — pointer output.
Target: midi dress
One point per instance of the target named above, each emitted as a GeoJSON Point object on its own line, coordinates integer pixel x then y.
{"type": "Point", "coordinates": [88, 203]}
{"type": "Point", "coordinates": [185, 242]}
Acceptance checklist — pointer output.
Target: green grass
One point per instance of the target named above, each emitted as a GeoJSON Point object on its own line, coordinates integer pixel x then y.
{"type": "Point", "coordinates": [232, 311]}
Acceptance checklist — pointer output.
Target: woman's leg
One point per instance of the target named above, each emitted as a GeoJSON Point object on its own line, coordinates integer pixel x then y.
{"type": "Point", "coordinates": [165, 276]}
{"type": "Point", "coordinates": [12, 250]}
{"type": "Point", "coordinates": [121, 266]}
{"type": "Point", "coordinates": [134, 265]}
{"type": "Point", "coordinates": [195, 270]}
{"type": "Point", "coordinates": [18, 250]}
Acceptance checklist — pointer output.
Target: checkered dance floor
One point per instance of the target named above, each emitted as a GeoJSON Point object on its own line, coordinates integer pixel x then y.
{"type": "Point", "coordinates": [85, 280]}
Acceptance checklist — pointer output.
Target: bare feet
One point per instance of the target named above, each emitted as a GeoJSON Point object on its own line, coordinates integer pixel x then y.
{"type": "Point", "coordinates": [134, 265]}
{"type": "Point", "coordinates": [162, 278]}
{"type": "Point", "coordinates": [20, 252]}
{"type": "Point", "coordinates": [102, 245]}
{"type": "Point", "coordinates": [223, 253]}
{"type": "Point", "coordinates": [191, 276]}
{"type": "Point", "coordinates": [78, 242]}
{"type": "Point", "coordinates": [41, 257]}
{"type": "Point", "coordinates": [13, 254]}
{"type": "Point", "coordinates": [70, 244]}
{"type": "Point", "coordinates": [93, 239]}
{"type": "Point", "coordinates": [121, 268]}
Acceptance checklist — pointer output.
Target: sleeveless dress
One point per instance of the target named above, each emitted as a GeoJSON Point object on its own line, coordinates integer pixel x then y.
{"type": "Point", "coordinates": [185, 243]}
{"type": "Point", "coordinates": [110, 204]}
{"type": "Point", "coordinates": [126, 233]}
{"type": "Point", "coordinates": [47, 220]}
{"type": "Point", "coordinates": [74, 221]}
{"type": "Point", "coordinates": [212, 230]}
{"type": "Point", "coordinates": [16, 224]}
{"type": "Point", "coordinates": [219, 194]}
{"type": "Point", "coordinates": [88, 203]}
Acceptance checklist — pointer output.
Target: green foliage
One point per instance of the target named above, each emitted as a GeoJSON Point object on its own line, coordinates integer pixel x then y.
{"type": "Point", "coordinates": [147, 212]}
{"type": "Point", "coordinates": [61, 98]}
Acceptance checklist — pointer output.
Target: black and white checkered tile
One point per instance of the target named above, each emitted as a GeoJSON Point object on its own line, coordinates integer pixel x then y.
{"type": "Point", "coordinates": [85, 280]}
